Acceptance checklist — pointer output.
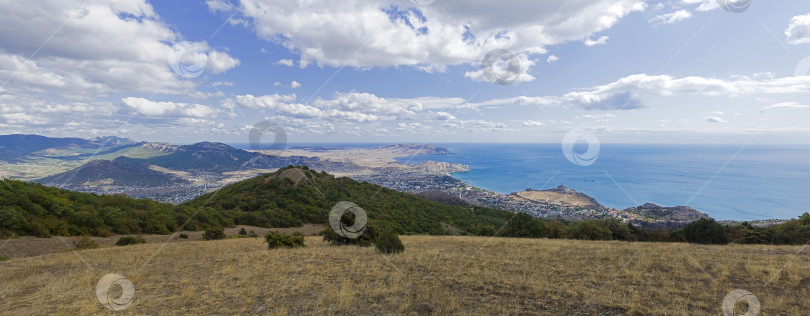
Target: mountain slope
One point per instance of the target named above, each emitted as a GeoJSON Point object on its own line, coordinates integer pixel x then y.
{"type": "Point", "coordinates": [292, 196]}
{"type": "Point", "coordinates": [121, 171]}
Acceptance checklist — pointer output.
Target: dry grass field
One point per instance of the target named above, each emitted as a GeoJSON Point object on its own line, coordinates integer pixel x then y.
{"type": "Point", "coordinates": [435, 275]}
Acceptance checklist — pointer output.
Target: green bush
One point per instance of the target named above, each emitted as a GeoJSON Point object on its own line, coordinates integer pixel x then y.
{"type": "Point", "coordinates": [279, 240]}
{"type": "Point", "coordinates": [388, 242]}
{"type": "Point", "coordinates": [183, 236]}
{"type": "Point", "coordinates": [705, 231]}
{"type": "Point", "coordinates": [364, 240]}
{"type": "Point", "coordinates": [4, 258]}
{"type": "Point", "coordinates": [252, 234]}
{"type": "Point", "coordinates": [242, 232]}
{"type": "Point", "coordinates": [130, 240]}
{"type": "Point", "coordinates": [589, 230]}
{"type": "Point", "coordinates": [214, 233]}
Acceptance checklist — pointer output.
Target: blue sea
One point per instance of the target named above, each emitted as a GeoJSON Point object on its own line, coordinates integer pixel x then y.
{"type": "Point", "coordinates": [732, 182]}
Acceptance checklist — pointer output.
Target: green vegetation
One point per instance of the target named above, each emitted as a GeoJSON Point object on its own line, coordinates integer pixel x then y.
{"type": "Point", "coordinates": [388, 242]}
{"type": "Point", "coordinates": [4, 258]}
{"type": "Point", "coordinates": [214, 233]}
{"type": "Point", "coordinates": [297, 195]}
{"type": "Point", "coordinates": [279, 240]}
{"type": "Point", "coordinates": [183, 236]}
{"type": "Point", "coordinates": [706, 231]}
{"type": "Point", "coordinates": [130, 240]}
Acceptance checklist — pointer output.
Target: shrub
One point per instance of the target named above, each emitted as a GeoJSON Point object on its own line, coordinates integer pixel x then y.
{"type": "Point", "coordinates": [279, 240]}
{"type": "Point", "coordinates": [364, 240]}
{"type": "Point", "coordinates": [242, 232]}
{"type": "Point", "coordinates": [4, 258]}
{"type": "Point", "coordinates": [214, 233]}
{"type": "Point", "coordinates": [388, 242]}
{"type": "Point", "coordinates": [85, 242]}
{"type": "Point", "coordinates": [183, 236]}
{"type": "Point", "coordinates": [705, 231]}
{"type": "Point", "coordinates": [130, 240]}
{"type": "Point", "coordinates": [589, 230]}
{"type": "Point", "coordinates": [252, 234]}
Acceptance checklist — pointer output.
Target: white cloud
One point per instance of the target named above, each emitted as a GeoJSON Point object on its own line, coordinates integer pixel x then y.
{"type": "Point", "coordinates": [501, 69]}
{"type": "Point", "coordinates": [285, 62]}
{"type": "Point", "coordinates": [670, 18]}
{"type": "Point", "coordinates": [552, 59]}
{"type": "Point", "coordinates": [295, 84]}
{"type": "Point", "coordinates": [715, 119]}
{"type": "Point", "coordinates": [627, 93]}
{"type": "Point", "coordinates": [798, 31]}
{"type": "Point", "coordinates": [444, 116]}
{"type": "Point", "coordinates": [100, 47]}
{"type": "Point", "coordinates": [425, 37]}
{"type": "Point", "coordinates": [23, 118]}
{"type": "Point", "coordinates": [533, 123]}
{"type": "Point", "coordinates": [600, 41]}
{"type": "Point", "coordinates": [152, 108]}
{"type": "Point", "coordinates": [787, 105]}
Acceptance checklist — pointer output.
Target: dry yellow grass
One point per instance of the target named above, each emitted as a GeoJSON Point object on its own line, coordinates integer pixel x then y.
{"type": "Point", "coordinates": [435, 275]}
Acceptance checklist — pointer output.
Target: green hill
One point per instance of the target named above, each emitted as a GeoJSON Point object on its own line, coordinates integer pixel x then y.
{"type": "Point", "coordinates": [293, 196]}
{"type": "Point", "coordinates": [122, 171]}
{"type": "Point", "coordinates": [289, 197]}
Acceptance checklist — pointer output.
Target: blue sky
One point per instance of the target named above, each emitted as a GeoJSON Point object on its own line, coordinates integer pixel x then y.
{"type": "Point", "coordinates": [686, 71]}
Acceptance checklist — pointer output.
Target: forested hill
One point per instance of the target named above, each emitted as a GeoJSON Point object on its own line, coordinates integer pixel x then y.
{"type": "Point", "coordinates": [293, 196]}
{"type": "Point", "coordinates": [289, 197]}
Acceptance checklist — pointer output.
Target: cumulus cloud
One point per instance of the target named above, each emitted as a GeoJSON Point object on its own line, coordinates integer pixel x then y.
{"type": "Point", "coordinates": [798, 31]}
{"type": "Point", "coordinates": [551, 59]}
{"type": "Point", "coordinates": [533, 123]}
{"type": "Point", "coordinates": [500, 69]}
{"type": "Point", "coordinates": [425, 37]}
{"type": "Point", "coordinates": [295, 84]}
{"type": "Point", "coordinates": [670, 18]}
{"type": "Point", "coordinates": [600, 41]}
{"type": "Point", "coordinates": [627, 93]}
{"type": "Point", "coordinates": [100, 47]}
{"type": "Point", "coordinates": [285, 62]}
{"type": "Point", "coordinates": [153, 108]}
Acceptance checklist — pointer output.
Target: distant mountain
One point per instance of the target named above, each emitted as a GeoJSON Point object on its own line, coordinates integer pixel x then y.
{"type": "Point", "coordinates": [122, 172]}
{"type": "Point", "coordinates": [414, 149]}
{"type": "Point", "coordinates": [16, 147]}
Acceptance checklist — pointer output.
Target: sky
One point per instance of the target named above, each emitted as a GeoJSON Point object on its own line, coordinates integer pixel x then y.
{"type": "Point", "coordinates": [440, 71]}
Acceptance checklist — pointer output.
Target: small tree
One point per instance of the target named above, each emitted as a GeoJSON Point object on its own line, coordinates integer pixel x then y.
{"type": "Point", "coordinates": [243, 232]}
{"type": "Point", "coordinates": [214, 233]}
{"type": "Point", "coordinates": [130, 240]}
{"type": "Point", "coordinates": [279, 240]}
{"type": "Point", "coordinates": [705, 231]}
{"type": "Point", "coordinates": [387, 241]}
{"type": "Point", "coordinates": [252, 234]}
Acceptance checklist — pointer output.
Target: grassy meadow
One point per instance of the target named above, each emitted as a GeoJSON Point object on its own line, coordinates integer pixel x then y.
{"type": "Point", "coordinates": [435, 275]}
